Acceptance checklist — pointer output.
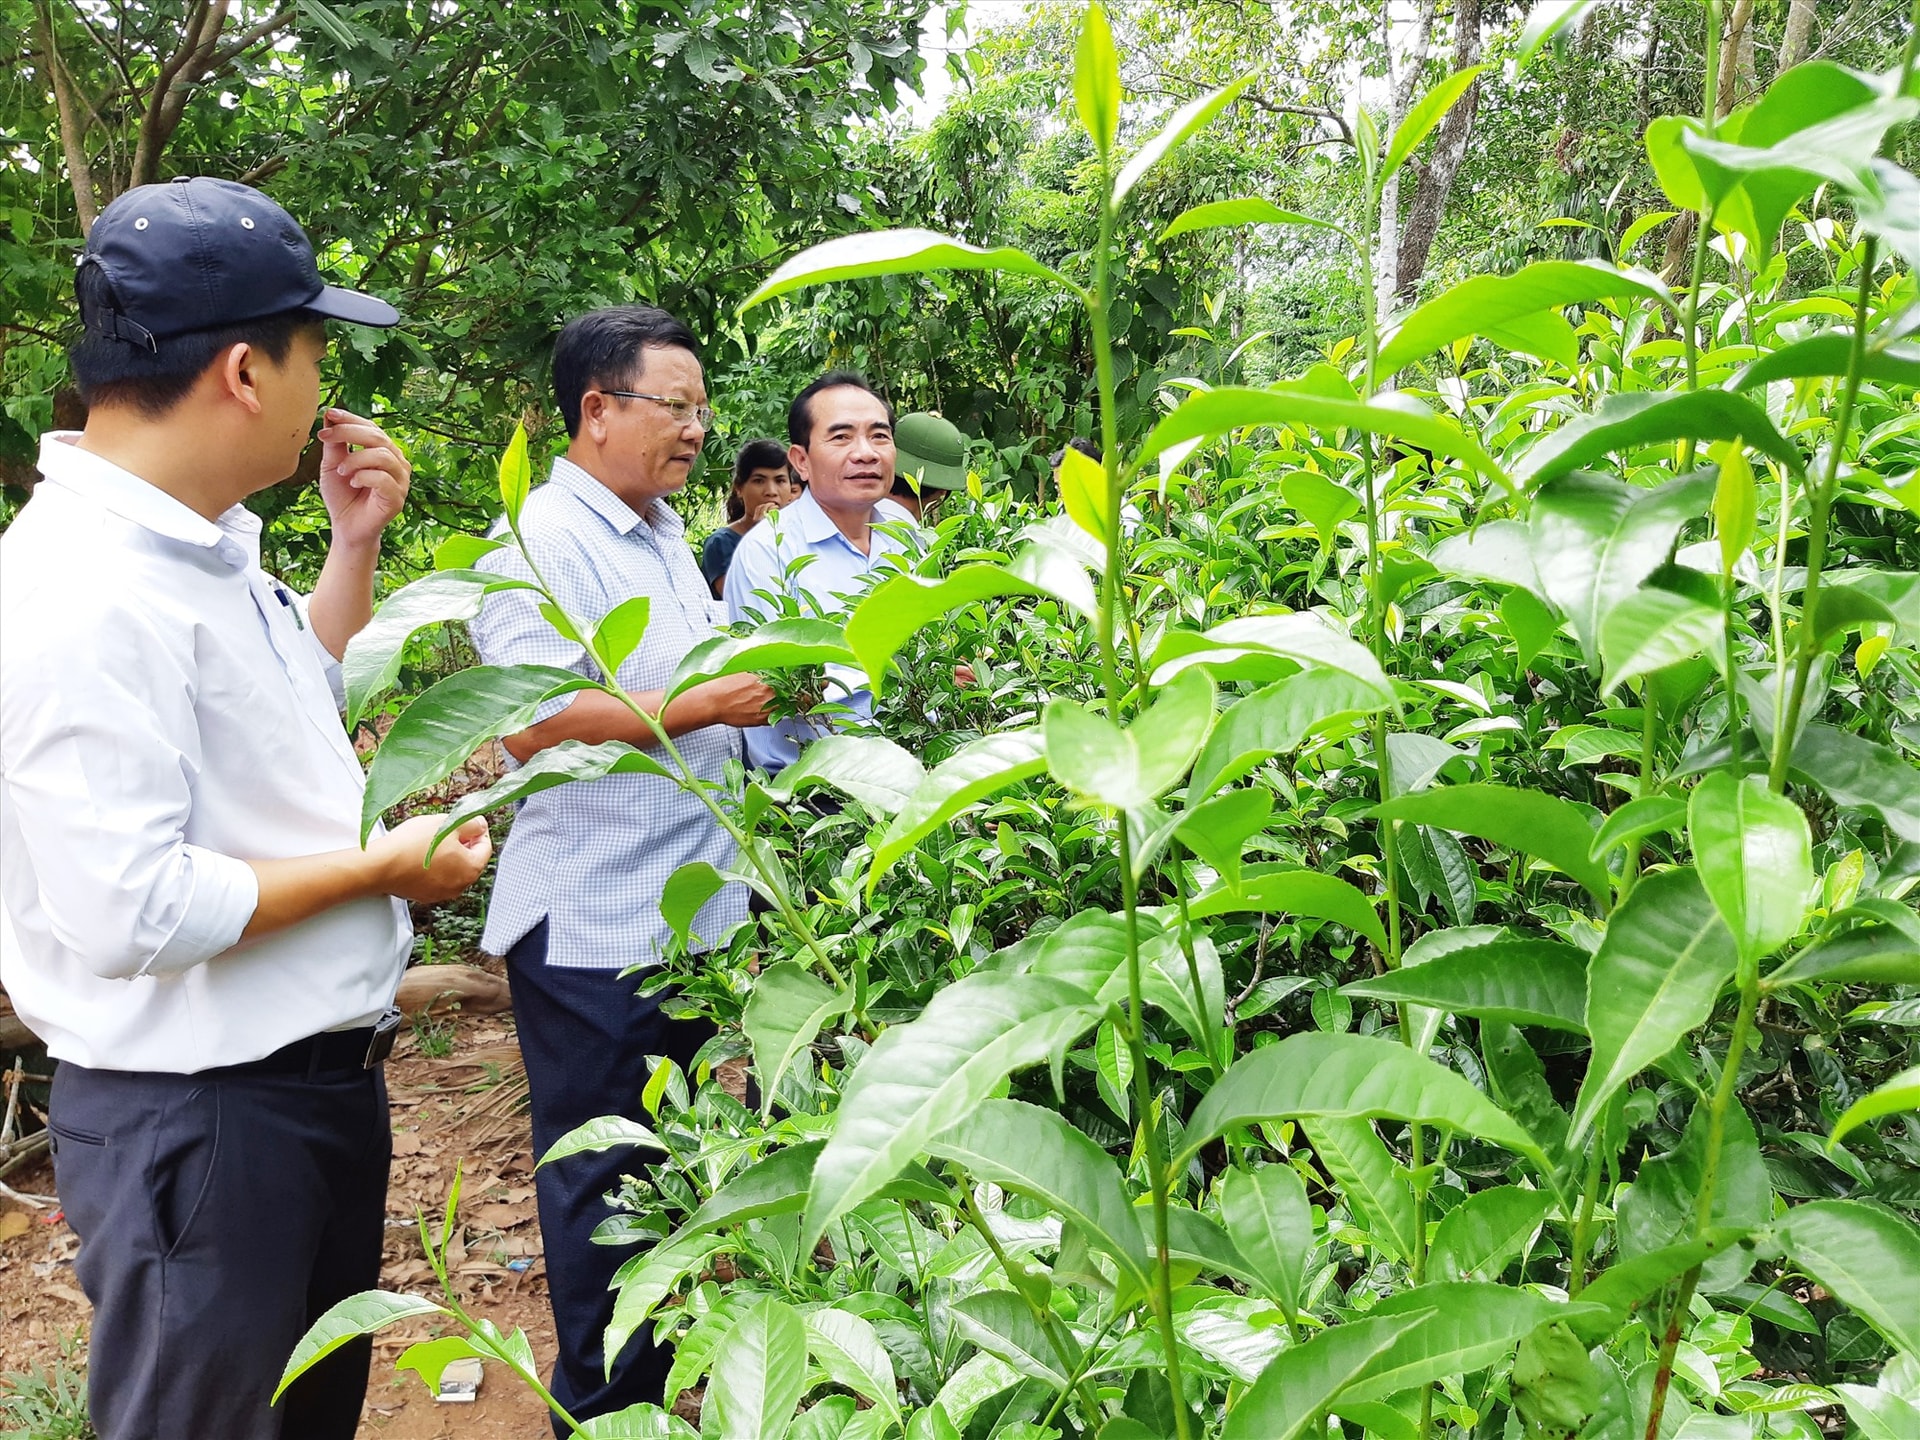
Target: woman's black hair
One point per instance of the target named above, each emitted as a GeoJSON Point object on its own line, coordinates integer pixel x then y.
{"type": "Point", "coordinates": [754, 455]}
{"type": "Point", "coordinates": [107, 371]}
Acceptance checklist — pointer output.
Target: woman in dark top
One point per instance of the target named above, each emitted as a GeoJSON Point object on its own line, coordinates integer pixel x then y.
{"type": "Point", "coordinates": [761, 482]}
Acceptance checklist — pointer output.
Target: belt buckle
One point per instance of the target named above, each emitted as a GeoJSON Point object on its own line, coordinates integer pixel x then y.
{"type": "Point", "coordinates": [385, 1031]}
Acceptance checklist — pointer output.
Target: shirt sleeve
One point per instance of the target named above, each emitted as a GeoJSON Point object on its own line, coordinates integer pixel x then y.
{"type": "Point", "coordinates": [510, 630]}
{"type": "Point", "coordinates": [329, 662]}
{"type": "Point", "coordinates": [755, 567]}
{"type": "Point", "coordinates": [99, 745]}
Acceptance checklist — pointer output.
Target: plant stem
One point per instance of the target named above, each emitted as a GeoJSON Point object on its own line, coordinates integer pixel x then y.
{"type": "Point", "coordinates": [1042, 1314]}
{"type": "Point", "coordinates": [1377, 610]}
{"type": "Point", "coordinates": [1709, 1181]}
{"type": "Point", "coordinates": [1111, 601]}
{"type": "Point", "coordinates": [1820, 506]}
{"type": "Point", "coordinates": [1583, 1228]}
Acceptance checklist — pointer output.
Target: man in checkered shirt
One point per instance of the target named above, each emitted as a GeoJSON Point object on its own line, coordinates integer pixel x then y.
{"type": "Point", "coordinates": [578, 895]}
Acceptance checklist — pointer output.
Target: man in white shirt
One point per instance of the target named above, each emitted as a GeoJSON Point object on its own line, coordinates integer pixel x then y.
{"type": "Point", "coordinates": [840, 433]}
{"type": "Point", "coordinates": [190, 921]}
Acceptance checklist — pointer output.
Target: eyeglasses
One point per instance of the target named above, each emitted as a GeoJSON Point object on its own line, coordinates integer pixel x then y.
{"type": "Point", "coordinates": [680, 410]}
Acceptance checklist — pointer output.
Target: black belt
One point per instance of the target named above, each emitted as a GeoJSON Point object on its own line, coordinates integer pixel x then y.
{"type": "Point", "coordinates": [328, 1052]}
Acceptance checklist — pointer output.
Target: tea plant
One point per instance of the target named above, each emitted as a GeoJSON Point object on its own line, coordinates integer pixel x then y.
{"type": "Point", "coordinates": [1422, 940]}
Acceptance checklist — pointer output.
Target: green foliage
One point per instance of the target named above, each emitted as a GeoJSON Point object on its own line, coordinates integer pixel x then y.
{"type": "Point", "coordinates": [1133, 1038]}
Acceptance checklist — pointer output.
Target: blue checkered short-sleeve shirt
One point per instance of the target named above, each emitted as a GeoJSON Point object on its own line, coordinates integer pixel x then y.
{"type": "Point", "coordinates": [592, 857]}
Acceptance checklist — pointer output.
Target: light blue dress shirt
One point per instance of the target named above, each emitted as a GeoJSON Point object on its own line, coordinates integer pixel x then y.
{"type": "Point", "coordinates": [834, 571]}
{"type": "Point", "coordinates": [592, 857]}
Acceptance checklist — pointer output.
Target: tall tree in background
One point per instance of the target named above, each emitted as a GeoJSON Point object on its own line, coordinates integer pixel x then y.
{"type": "Point", "coordinates": [489, 168]}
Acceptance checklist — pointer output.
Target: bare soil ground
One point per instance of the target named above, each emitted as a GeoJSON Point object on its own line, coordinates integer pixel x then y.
{"type": "Point", "coordinates": [464, 1109]}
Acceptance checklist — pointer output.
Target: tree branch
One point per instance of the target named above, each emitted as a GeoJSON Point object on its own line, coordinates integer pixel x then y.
{"type": "Point", "coordinates": [73, 140]}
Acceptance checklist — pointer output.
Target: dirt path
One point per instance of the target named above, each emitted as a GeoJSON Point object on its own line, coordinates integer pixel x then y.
{"type": "Point", "coordinates": [464, 1107]}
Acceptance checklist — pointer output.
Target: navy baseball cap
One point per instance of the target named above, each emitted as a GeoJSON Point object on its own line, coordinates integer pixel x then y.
{"type": "Point", "coordinates": [198, 253]}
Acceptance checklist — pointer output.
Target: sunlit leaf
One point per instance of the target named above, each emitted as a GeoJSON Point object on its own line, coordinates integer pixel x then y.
{"type": "Point", "coordinates": [1487, 304]}
{"type": "Point", "coordinates": [974, 772]}
{"type": "Point", "coordinates": [1524, 982]}
{"type": "Point", "coordinates": [442, 728]}
{"type": "Point", "coordinates": [1287, 889]}
{"type": "Point", "coordinates": [560, 764]}
{"type": "Point", "coordinates": [1181, 126]}
{"type": "Point", "coordinates": [1867, 1256]}
{"type": "Point", "coordinates": [1646, 418]}
{"type": "Point", "coordinates": [609, 1132]}
{"type": "Point", "coordinates": [374, 654]}
{"type": "Point", "coordinates": [1035, 1152]}
{"type": "Point", "coordinates": [1128, 768]}
{"type": "Point", "coordinates": [893, 252]}
{"type": "Point", "coordinates": [1227, 408]}
{"type": "Point", "coordinates": [1096, 80]}
{"type": "Point", "coordinates": [1754, 853]}
{"type": "Point", "coordinates": [364, 1314]}
{"type": "Point", "coordinates": [1248, 210]}
{"type": "Point", "coordinates": [925, 1075]}
{"type": "Point", "coordinates": [776, 645]}
{"type": "Point", "coordinates": [1425, 113]}
{"type": "Point", "coordinates": [1897, 1096]}
{"type": "Point", "coordinates": [759, 1374]}
{"type": "Point", "coordinates": [1597, 539]}
{"type": "Point", "coordinates": [1287, 1401]}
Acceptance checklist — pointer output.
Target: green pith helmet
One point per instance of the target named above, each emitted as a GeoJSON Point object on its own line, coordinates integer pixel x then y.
{"type": "Point", "coordinates": [932, 450]}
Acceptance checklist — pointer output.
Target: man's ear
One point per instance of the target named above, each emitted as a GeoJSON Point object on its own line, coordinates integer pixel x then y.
{"type": "Point", "coordinates": [801, 463]}
{"type": "Point", "coordinates": [236, 375]}
{"type": "Point", "coordinates": [593, 416]}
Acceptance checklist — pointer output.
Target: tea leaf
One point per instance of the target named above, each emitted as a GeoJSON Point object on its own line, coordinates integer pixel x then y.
{"type": "Point", "coordinates": [1531, 821]}
{"type": "Point", "coordinates": [1349, 1077]}
{"type": "Point", "coordinates": [788, 1006]}
{"type": "Point", "coordinates": [1754, 853]}
{"type": "Point", "coordinates": [1524, 982]}
{"type": "Point", "coordinates": [1035, 1152]}
{"type": "Point", "coordinates": [893, 252]}
{"type": "Point", "coordinates": [1666, 955]}
{"type": "Point", "coordinates": [759, 1374]}
{"type": "Point", "coordinates": [1286, 1402]}
{"type": "Point", "coordinates": [1867, 1256]}
{"type": "Point", "coordinates": [443, 727]}
{"type": "Point", "coordinates": [930, 1073]}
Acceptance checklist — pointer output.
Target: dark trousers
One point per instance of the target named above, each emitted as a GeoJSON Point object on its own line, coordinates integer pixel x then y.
{"type": "Point", "coordinates": [219, 1215]}
{"type": "Point", "coordinates": [585, 1036]}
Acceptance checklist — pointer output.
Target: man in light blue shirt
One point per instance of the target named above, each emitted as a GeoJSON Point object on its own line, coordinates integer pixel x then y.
{"type": "Point", "coordinates": [577, 900]}
{"type": "Point", "coordinates": [826, 546]}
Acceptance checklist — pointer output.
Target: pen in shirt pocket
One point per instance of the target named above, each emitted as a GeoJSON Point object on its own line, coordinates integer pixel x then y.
{"type": "Point", "coordinates": [287, 600]}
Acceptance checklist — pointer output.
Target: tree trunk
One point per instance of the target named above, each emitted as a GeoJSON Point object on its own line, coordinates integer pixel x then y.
{"type": "Point", "coordinates": [1797, 42]}
{"type": "Point", "coordinates": [1429, 205]}
{"type": "Point", "coordinates": [1403, 84]}
{"type": "Point", "coordinates": [73, 133]}
{"type": "Point", "coordinates": [1736, 59]}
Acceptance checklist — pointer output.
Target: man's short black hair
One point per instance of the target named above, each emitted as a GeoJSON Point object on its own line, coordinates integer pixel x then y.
{"type": "Point", "coordinates": [107, 371]}
{"type": "Point", "coordinates": [754, 455]}
{"type": "Point", "coordinates": [800, 413]}
{"type": "Point", "coordinates": [603, 347]}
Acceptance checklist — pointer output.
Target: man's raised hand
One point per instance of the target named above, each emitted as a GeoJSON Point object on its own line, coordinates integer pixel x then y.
{"type": "Point", "coordinates": [363, 477]}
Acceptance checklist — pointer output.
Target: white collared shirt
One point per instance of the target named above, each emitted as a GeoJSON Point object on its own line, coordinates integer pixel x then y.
{"type": "Point", "coordinates": [834, 571]}
{"type": "Point", "coordinates": [165, 716]}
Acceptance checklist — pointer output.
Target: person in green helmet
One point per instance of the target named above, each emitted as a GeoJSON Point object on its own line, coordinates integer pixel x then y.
{"type": "Point", "coordinates": [930, 460]}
